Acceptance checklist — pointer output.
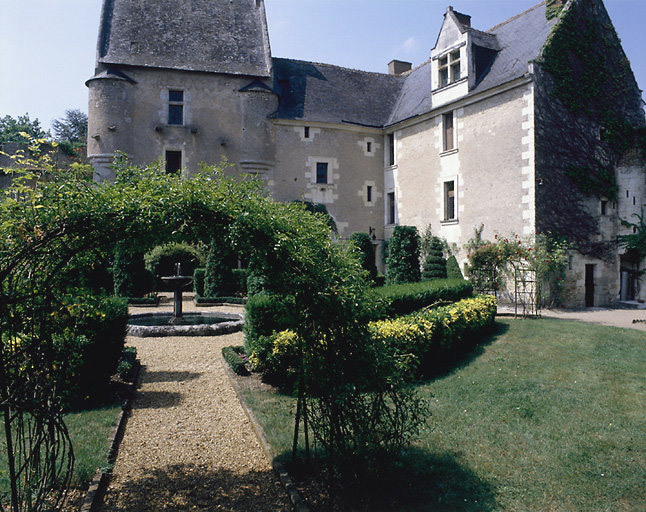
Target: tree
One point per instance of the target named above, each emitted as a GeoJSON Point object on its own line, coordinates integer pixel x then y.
{"type": "Point", "coordinates": [10, 129]}
{"type": "Point", "coordinates": [366, 253]}
{"type": "Point", "coordinates": [402, 264]}
{"type": "Point", "coordinates": [71, 127]}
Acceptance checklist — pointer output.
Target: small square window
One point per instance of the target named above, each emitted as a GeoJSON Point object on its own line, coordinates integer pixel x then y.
{"type": "Point", "coordinates": [321, 172]}
{"type": "Point", "coordinates": [173, 161]}
{"type": "Point", "coordinates": [176, 96]}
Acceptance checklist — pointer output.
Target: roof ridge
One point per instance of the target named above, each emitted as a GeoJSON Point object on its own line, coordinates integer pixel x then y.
{"type": "Point", "coordinates": [339, 67]}
{"type": "Point", "coordinates": [515, 17]}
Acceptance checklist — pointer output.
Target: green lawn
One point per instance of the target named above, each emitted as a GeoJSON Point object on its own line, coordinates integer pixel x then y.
{"type": "Point", "coordinates": [545, 415]}
{"type": "Point", "coordinates": [89, 431]}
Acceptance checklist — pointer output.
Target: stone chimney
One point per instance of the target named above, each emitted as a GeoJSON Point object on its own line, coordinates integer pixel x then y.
{"type": "Point", "coordinates": [463, 19]}
{"type": "Point", "coordinates": [397, 67]}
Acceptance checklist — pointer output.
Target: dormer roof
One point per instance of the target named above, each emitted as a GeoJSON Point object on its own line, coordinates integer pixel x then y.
{"type": "Point", "coordinates": [219, 36]}
{"type": "Point", "coordinates": [516, 43]}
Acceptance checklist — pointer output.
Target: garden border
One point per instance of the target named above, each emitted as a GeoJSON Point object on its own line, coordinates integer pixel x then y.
{"type": "Point", "coordinates": [98, 485]}
{"type": "Point", "coordinates": [285, 479]}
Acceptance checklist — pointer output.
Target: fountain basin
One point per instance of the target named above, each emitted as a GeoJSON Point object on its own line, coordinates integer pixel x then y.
{"type": "Point", "coordinates": [193, 324]}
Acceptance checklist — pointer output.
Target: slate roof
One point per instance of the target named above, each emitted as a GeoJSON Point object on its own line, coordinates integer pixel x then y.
{"type": "Point", "coordinates": [222, 36]}
{"type": "Point", "coordinates": [520, 39]}
{"type": "Point", "coordinates": [321, 92]}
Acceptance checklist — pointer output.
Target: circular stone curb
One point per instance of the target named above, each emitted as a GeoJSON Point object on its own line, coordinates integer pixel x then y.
{"type": "Point", "coordinates": [144, 331]}
{"type": "Point", "coordinates": [286, 480]}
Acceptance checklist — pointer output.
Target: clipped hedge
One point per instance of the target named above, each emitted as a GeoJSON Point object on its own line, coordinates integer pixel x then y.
{"type": "Point", "coordinates": [402, 262]}
{"type": "Point", "coordinates": [264, 315]}
{"type": "Point", "coordinates": [220, 300]}
{"type": "Point", "coordinates": [401, 299]}
{"type": "Point", "coordinates": [162, 259]}
{"type": "Point", "coordinates": [422, 342]}
{"type": "Point", "coordinates": [453, 268]}
{"type": "Point", "coordinates": [232, 356]}
{"type": "Point", "coordinates": [427, 339]}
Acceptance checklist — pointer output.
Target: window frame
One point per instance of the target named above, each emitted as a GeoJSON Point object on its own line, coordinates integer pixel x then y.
{"type": "Point", "coordinates": [391, 149]}
{"type": "Point", "coordinates": [446, 147]}
{"type": "Point", "coordinates": [319, 168]}
{"type": "Point", "coordinates": [176, 106]}
{"type": "Point", "coordinates": [449, 199]}
{"type": "Point", "coordinates": [391, 212]}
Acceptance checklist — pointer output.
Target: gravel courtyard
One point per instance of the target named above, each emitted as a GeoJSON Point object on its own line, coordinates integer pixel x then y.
{"type": "Point", "coordinates": [188, 444]}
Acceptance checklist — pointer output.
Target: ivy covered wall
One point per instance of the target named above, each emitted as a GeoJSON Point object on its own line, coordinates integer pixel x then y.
{"type": "Point", "coordinates": [588, 113]}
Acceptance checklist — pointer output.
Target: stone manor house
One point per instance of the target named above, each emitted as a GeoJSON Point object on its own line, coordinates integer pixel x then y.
{"type": "Point", "coordinates": [474, 135]}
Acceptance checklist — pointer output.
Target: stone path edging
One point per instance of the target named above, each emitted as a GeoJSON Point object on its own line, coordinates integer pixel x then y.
{"type": "Point", "coordinates": [99, 483]}
{"type": "Point", "coordinates": [279, 468]}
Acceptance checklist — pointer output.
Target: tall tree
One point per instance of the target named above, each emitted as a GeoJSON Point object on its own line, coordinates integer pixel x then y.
{"type": "Point", "coordinates": [11, 128]}
{"type": "Point", "coordinates": [71, 127]}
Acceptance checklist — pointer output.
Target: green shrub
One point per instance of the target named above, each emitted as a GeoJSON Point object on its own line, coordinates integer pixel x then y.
{"type": "Point", "coordinates": [162, 259]}
{"type": "Point", "coordinates": [276, 357]}
{"type": "Point", "coordinates": [425, 340]}
{"type": "Point", "coordinates": [127, 363]}
{"type": "Point", "coordinates": [453, 268]}
{"type": "Point", "coordinates": [89, 345]}
{"type": "Point", "coordinates": [264, 315]}
{"type": "Point", "coordinates": [401, 299]}
{"type": "Point", "coordinates": [218, 278]}
{"type": "Point", "coordinates": [366, 254]}
{"type": "Point", "coordinates": [233, 358]}
{"type": "Point", "coordinates": [220, 300]}
{"type": "Point", "coordinates": [140, 301]}
{"type": "Point", "coordinates": [240, 276]}
{"type": "Point", "coordinates": [131, 279]}
{"type": "Point", "coordinates": [434, 266]}
{"type": "Point", "coordinates": [485, 266]}
{"type": "Point", "coordinates": [402, 264]}
{"type": "Point", "coordinates": [198, 282]}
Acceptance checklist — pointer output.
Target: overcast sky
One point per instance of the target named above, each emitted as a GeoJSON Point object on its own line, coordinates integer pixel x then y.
{"type": "Point", "coordinates": [47, 47]}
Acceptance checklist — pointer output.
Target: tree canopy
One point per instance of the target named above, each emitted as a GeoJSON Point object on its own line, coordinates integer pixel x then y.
{"type": "Point", "coordinates": [71, 127]}
{"type": "Point", "coordinates": [11, 129]}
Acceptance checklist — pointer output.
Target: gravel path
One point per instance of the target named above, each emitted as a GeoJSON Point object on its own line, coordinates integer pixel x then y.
{"type": "Point", "coordinates": [188, 444]}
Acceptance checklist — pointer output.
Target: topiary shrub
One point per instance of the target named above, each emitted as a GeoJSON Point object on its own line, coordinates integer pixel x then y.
{"type": "Point", "coordinates": [162, 259]}
{"type": "Point", "coordinates": [402, 264]}
{"type": "Point", "coordinates": [434, 264]}
{"type": "Point", "coordinates": [453, 268]}
{"type": "Point", "coordinates": [366, 254]}
{"type": "Point", "coordinates": [131, 278]}
{"type": "Point", "coordinates": [198, 282]}
{"type": "Point", "coordinates": [218, 278]}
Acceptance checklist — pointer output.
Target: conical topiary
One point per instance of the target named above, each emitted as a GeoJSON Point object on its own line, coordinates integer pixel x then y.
{"type": "Point", "coordinates": [453, 269]}
{"type": "Point", "coordinates": [434, 265]}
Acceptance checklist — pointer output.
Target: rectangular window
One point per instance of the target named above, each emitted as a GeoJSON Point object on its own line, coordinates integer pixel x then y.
{"type": "Point", "coordinates": [369, 193]}
{"type": "Point", "coordinates": [443, 71]}
{"type": "Point", "coordinates": [321, 172]}
{"type": "Point", "coordinates": [391, 149]}
{"type": "Point", "coordinates": [604, 207]}
{"type": "Point", "coordinates": [447, 132]}
{"type": "Point", "coordinates": [306, 132]}
{"type": "Point", "coordinates": [369, 147]}
{"type": "Point", "coordinates": [173, 161]}
{"type": "Point", "coordinates": [176, 107]}
{"type": "Point", "coordinates": [391, 207]}
{"type": "Point", "coordinates": [455, 66]}
{"type": "Point", "coordinates": [449, 200]}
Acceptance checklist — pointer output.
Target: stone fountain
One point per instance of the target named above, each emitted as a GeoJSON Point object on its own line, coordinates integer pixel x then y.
{"type": "Point", "coordinates": [179, 324]}
{"type": "Point", "coordinates": [177, 284]}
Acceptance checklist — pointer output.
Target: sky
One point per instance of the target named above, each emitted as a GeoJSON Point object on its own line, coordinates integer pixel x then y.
{"type": "Point", "coordinates": [48, 47]}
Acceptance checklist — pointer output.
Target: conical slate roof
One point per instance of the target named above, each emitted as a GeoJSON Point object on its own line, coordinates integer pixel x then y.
{"type": "Point", "coordinates": [220, 36]}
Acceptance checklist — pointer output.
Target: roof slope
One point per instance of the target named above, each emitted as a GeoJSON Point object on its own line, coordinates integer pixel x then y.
{"type": "Point", "coordinates": [221, 36]}
{"type": "Point", "coordinates": [520, 38]}
{"type": "Point", "coordinates": [321, 92]}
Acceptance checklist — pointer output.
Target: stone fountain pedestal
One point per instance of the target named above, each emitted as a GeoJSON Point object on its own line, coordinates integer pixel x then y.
{"type": "Point", "coordinates": [177, 283]}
